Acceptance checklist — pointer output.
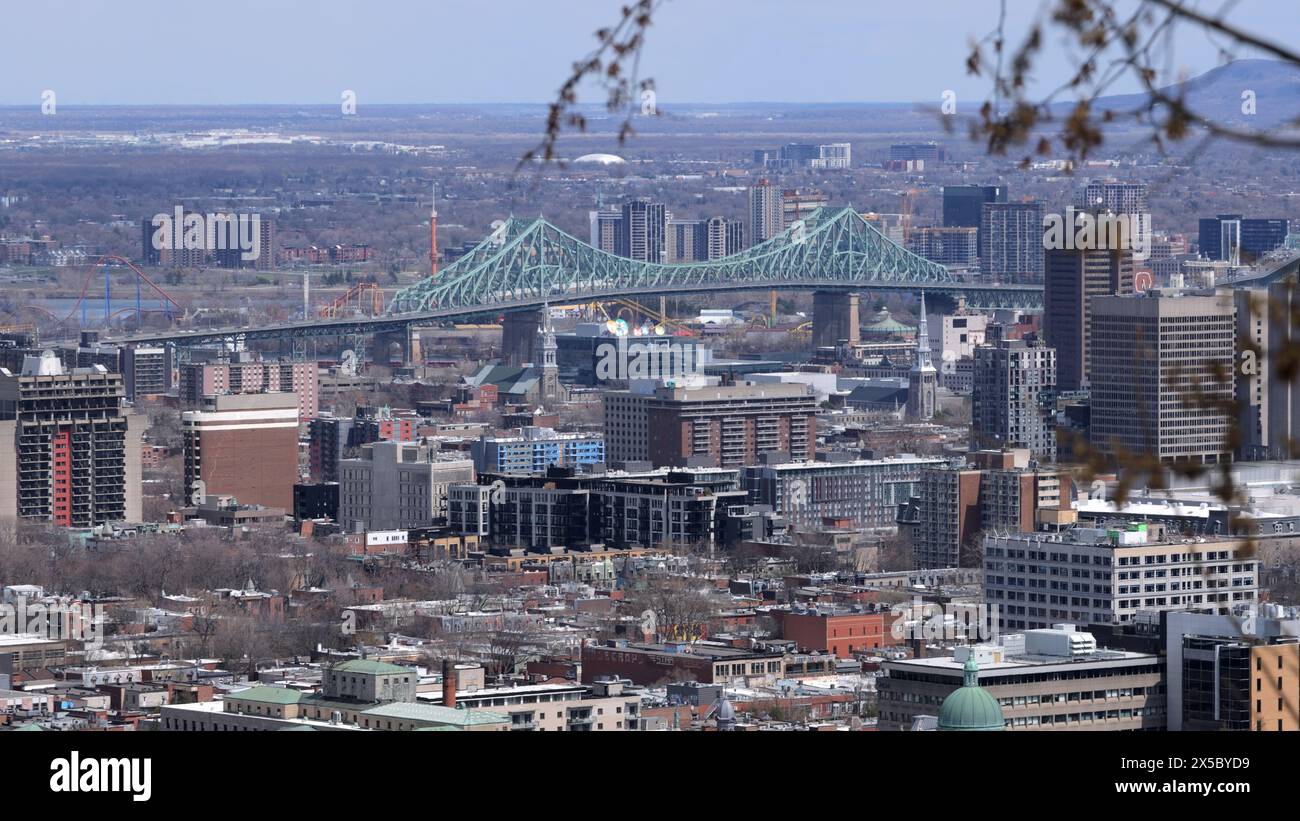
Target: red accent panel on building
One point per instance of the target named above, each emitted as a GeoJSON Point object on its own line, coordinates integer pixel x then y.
{"type": "Point", "coordinates": [61, 477]}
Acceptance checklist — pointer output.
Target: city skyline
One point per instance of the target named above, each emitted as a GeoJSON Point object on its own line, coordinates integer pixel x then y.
{"type": "Point", "coordinates": [329, 404]}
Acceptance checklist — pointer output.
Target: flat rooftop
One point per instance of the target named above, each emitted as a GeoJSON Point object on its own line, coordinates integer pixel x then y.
{"type": "Point", "coordinates": [205, 708]}
{"type": "Point", "coordinates": [1028, 662]}
{"type": "Point", "coordinates": [713, 651]}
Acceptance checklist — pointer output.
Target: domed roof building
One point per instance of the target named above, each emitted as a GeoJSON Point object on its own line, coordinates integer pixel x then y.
{"type": "Point", "coordinates": [970, 707]}
{"type": "Point", "coordinates": [884, 326]}
{"type": "Point", "coordinates": [601, 159]}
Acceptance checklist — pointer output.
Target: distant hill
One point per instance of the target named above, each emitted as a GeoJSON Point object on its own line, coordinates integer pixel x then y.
{"type": "Point", "coordinates": [1217, 94]}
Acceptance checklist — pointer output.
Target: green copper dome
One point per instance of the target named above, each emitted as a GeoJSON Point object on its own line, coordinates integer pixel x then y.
{"type": "Point", "coordinates": [970, 707]}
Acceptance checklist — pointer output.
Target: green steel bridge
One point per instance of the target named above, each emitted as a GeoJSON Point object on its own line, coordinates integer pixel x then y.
{"type": "Point", "coordinates": [525, 264]}
{"type": "Point", "coordinates": [528, 263]}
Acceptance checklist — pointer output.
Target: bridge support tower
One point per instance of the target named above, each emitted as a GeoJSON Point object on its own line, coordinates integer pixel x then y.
{"type": "Point", "coordinates": [518, 334]}
{"type": "Point", "coordinates": [835, 317]}
{"type": "Point", "coordinates": [408, 340]}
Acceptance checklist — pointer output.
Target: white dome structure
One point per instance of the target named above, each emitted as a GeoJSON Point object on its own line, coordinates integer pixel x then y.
{"type": "Point", "coordinates": [601, 159]}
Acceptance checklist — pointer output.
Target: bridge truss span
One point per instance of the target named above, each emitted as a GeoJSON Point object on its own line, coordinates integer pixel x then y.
{"type": "Point", "coordinates": [526, 263]}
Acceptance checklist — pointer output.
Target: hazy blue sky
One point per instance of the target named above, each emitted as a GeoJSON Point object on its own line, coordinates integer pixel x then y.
{"type": "Point", "coordinates": [448, 51]}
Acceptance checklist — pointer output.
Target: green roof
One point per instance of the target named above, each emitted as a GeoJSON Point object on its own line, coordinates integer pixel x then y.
{"type": "Point", "coordinates": [369, 667]}
{"type": "Point", "coordinates": [884, 323]}
{"type": "Point", "coordinates": [970, 707]}
{"type": "Point", "coordinates": [268, 695]}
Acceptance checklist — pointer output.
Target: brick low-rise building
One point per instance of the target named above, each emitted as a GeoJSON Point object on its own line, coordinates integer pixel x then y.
{"type": "Point", "coordinates": [840, 631]}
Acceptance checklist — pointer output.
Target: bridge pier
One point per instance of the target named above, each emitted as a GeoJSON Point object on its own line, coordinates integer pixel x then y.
{"type": "Point", "coordinates": [518, 333]}
{"type": "Point", "coordinates": [408, 340]}
{"type": "Point", "coordinates": [835, 317]}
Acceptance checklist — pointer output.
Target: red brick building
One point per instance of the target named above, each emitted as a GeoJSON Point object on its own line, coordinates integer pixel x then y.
{"type": "Point", "coordinates": [842, 632]}
{"type": "Point", "coordinates": [245, 446]}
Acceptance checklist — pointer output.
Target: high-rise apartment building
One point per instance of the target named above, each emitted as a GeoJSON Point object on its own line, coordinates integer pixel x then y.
{"type": "Point", "coordinates": [1012, 398]}
{"type": "Point", "coordinates": [147, 370]}
{"type": "Point", "coordinates": [766, 212]}
{"type": "Point", "coordinates": [724, 237]}
{"type": "Point", "coordinates": [201, 379]}
{"type": "Point", "coordinates": [946, 246]}
{"type": "Point", "coordinates": [1011, 237]}
{"type": "Point", "coordinates": [1162, 370]}
{"type": "Point", "coordinates": [223, 240]}
{"type": "Point", "coordinates": [641, 232]}
{"type": "Point", "coordinates": [170, 249]}
{"type": "Point", "coordinates": [69, 451]}
{"type": "Point", "coordinates": [685, 241]}
{"type": "Point", "coordinates": [397, 486]}
{"type": "Point", "coordinates": [604, 228]}
{"type": "Point", "coordinates": [896, 227]}
{"type": "Point", "coordinates": [963, 205]}
{"type": "Point", "coordinates": [724, 426]}
{"type": "Point", "coordinates": [991, 490]}
{"type": "Point", "coordinates": [1073, 278]}
{"type": "Point", "coordinates": [955, 336]}
{"type": "Point", "coordinates": [243, 445]}
{"type": "Point", "coordinates": [702, 240]}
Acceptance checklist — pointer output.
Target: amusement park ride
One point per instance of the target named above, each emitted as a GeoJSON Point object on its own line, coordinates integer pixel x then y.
{"type": "Point", "coordinates": [94, 307]}
{"type": "Point", "coordinates": [105, 267]}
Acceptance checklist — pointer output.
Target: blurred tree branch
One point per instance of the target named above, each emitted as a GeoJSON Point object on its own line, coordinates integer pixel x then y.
{"type": "Point", "coordinates": [1114, 48]}
{"type": "Point", "coordinates": [618, 46]}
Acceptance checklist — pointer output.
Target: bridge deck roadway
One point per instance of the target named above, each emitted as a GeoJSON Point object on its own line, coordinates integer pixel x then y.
{"type": "Point", "coordinates": [1022, 297]}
